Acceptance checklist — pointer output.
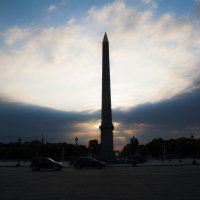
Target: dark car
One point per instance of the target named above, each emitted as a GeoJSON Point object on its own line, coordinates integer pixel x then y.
{"type": "Point", "coordinates": [88, 162]}
{"type": "Point", "coordinates": [45, 163]}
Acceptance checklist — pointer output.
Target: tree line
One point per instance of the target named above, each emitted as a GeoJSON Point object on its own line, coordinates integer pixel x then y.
{"type": "Point", "coordinates": [29, 150]}
{"type": "Point", "coordinates": [157, 148]}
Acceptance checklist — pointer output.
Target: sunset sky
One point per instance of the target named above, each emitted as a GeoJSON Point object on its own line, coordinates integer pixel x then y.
{"type": "Point", "coordinates": [50, 62]}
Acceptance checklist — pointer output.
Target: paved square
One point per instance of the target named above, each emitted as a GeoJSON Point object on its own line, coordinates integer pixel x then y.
{"type": "Point", "coordinates": [140, 183]}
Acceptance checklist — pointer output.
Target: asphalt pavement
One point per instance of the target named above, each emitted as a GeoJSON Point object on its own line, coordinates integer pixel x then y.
{"type": "Point", "coordinates": [111, 183]}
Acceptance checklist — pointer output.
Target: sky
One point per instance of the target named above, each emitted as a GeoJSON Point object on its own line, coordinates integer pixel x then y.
{"type": "Point", "coordinates": [50, 62]}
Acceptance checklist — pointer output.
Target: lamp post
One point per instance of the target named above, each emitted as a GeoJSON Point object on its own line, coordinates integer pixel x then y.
{"type": "Point", "coordinates": [63, 153]}
{"type": "Point", "coordinates": [134, 145]}
{"type": "Point", "coordinates": [193, 150]}
{"type": "Point", "coordinates": [164, 152]}
{"type": "Point", "coordinates": [42, 138]}
{"type": "Point", "coordinates": [179, 150]}
{"type": "Point", "coordinates": [76, 142]}
{"type": "Point", "coordinates": [18, 159]}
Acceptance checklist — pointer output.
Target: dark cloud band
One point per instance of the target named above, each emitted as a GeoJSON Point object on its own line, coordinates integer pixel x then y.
{"type": "Point", "coordinates": [165, 118]}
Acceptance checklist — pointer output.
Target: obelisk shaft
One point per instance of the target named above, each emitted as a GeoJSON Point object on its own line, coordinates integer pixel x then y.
{"type": "Point", "coordinates": [106, 111]}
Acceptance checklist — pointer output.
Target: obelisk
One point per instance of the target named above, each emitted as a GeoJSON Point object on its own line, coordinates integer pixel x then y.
{"type": "Point", "coordinates": [106, 127]}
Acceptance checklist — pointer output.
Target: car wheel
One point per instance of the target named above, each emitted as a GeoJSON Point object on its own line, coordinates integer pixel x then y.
{"type": "Point", "coordinates": [78, 166]}
{"type": "Point", "coordinates": [58, 169]}
{"type": "Point", "coordinates": [35, 168]}
{"type": "Point", "coordinates": [98, 166]}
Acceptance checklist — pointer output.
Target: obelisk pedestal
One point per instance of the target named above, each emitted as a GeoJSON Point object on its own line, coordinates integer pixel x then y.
{"type": "Point", "coordinates": [106, 127]}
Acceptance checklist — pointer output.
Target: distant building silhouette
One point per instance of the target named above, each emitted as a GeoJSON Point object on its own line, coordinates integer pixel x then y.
{"type": "Point", "coordinates": [106, 127]}
{"type": "Point", "coordinates": [94, 148]}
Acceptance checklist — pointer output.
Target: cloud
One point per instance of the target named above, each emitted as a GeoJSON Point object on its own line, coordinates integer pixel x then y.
{"type": "Point", "coordinates": [197, 8]}
{"type": "Point", "coordinates": [29, 121]}
{"type": "Point", "coordinates": [51, 8]}
{"type": "Point", "coordinates": [16, 34]}
{"type": "Point", "coordinates": [47, 63]}
{"type": "Point", "coordinates": [147, 1]}
{"type": "Point", "coordinates": [152, 58]}
{"type": "Point", "coordinates": [175, 117]}
{"type": "Point", "coordinates": [151, 2]}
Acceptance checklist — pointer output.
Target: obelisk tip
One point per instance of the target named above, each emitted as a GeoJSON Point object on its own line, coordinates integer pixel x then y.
{"type": "Point", "coordinates": [105, 38]}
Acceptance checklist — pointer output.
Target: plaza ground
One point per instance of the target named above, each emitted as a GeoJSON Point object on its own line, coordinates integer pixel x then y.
{"type": "Point", "coordinates": [151, 162]}
{"type": "Point", "coordinates": [111, 183]}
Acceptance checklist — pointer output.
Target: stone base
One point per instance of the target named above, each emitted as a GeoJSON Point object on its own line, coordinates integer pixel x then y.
{"type": "Point", "coordinates": [107, 156]}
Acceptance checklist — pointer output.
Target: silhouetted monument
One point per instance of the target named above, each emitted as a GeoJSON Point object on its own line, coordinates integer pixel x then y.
{"type": "Point", "coordinates": [106, 127]}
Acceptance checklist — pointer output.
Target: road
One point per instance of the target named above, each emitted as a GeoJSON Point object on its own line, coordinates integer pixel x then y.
{"type": "Point", "coordinates": [111, 183]}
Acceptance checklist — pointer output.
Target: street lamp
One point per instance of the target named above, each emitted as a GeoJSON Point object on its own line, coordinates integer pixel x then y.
{"type": "Point", "coordinates": [63, 153]}
{"type": "Point", "coordinates": [179, 151]}
{"type": "Point", "coordinates": [76, 141]}
{"type": "Point", "coordinates": [18, 159]}
{"type": "Point", "coordinates": [164, 152]}
{"type": "Point", "coordinates": [193, 150]}
{"type": "Point", "coordinates": [134, 145]}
